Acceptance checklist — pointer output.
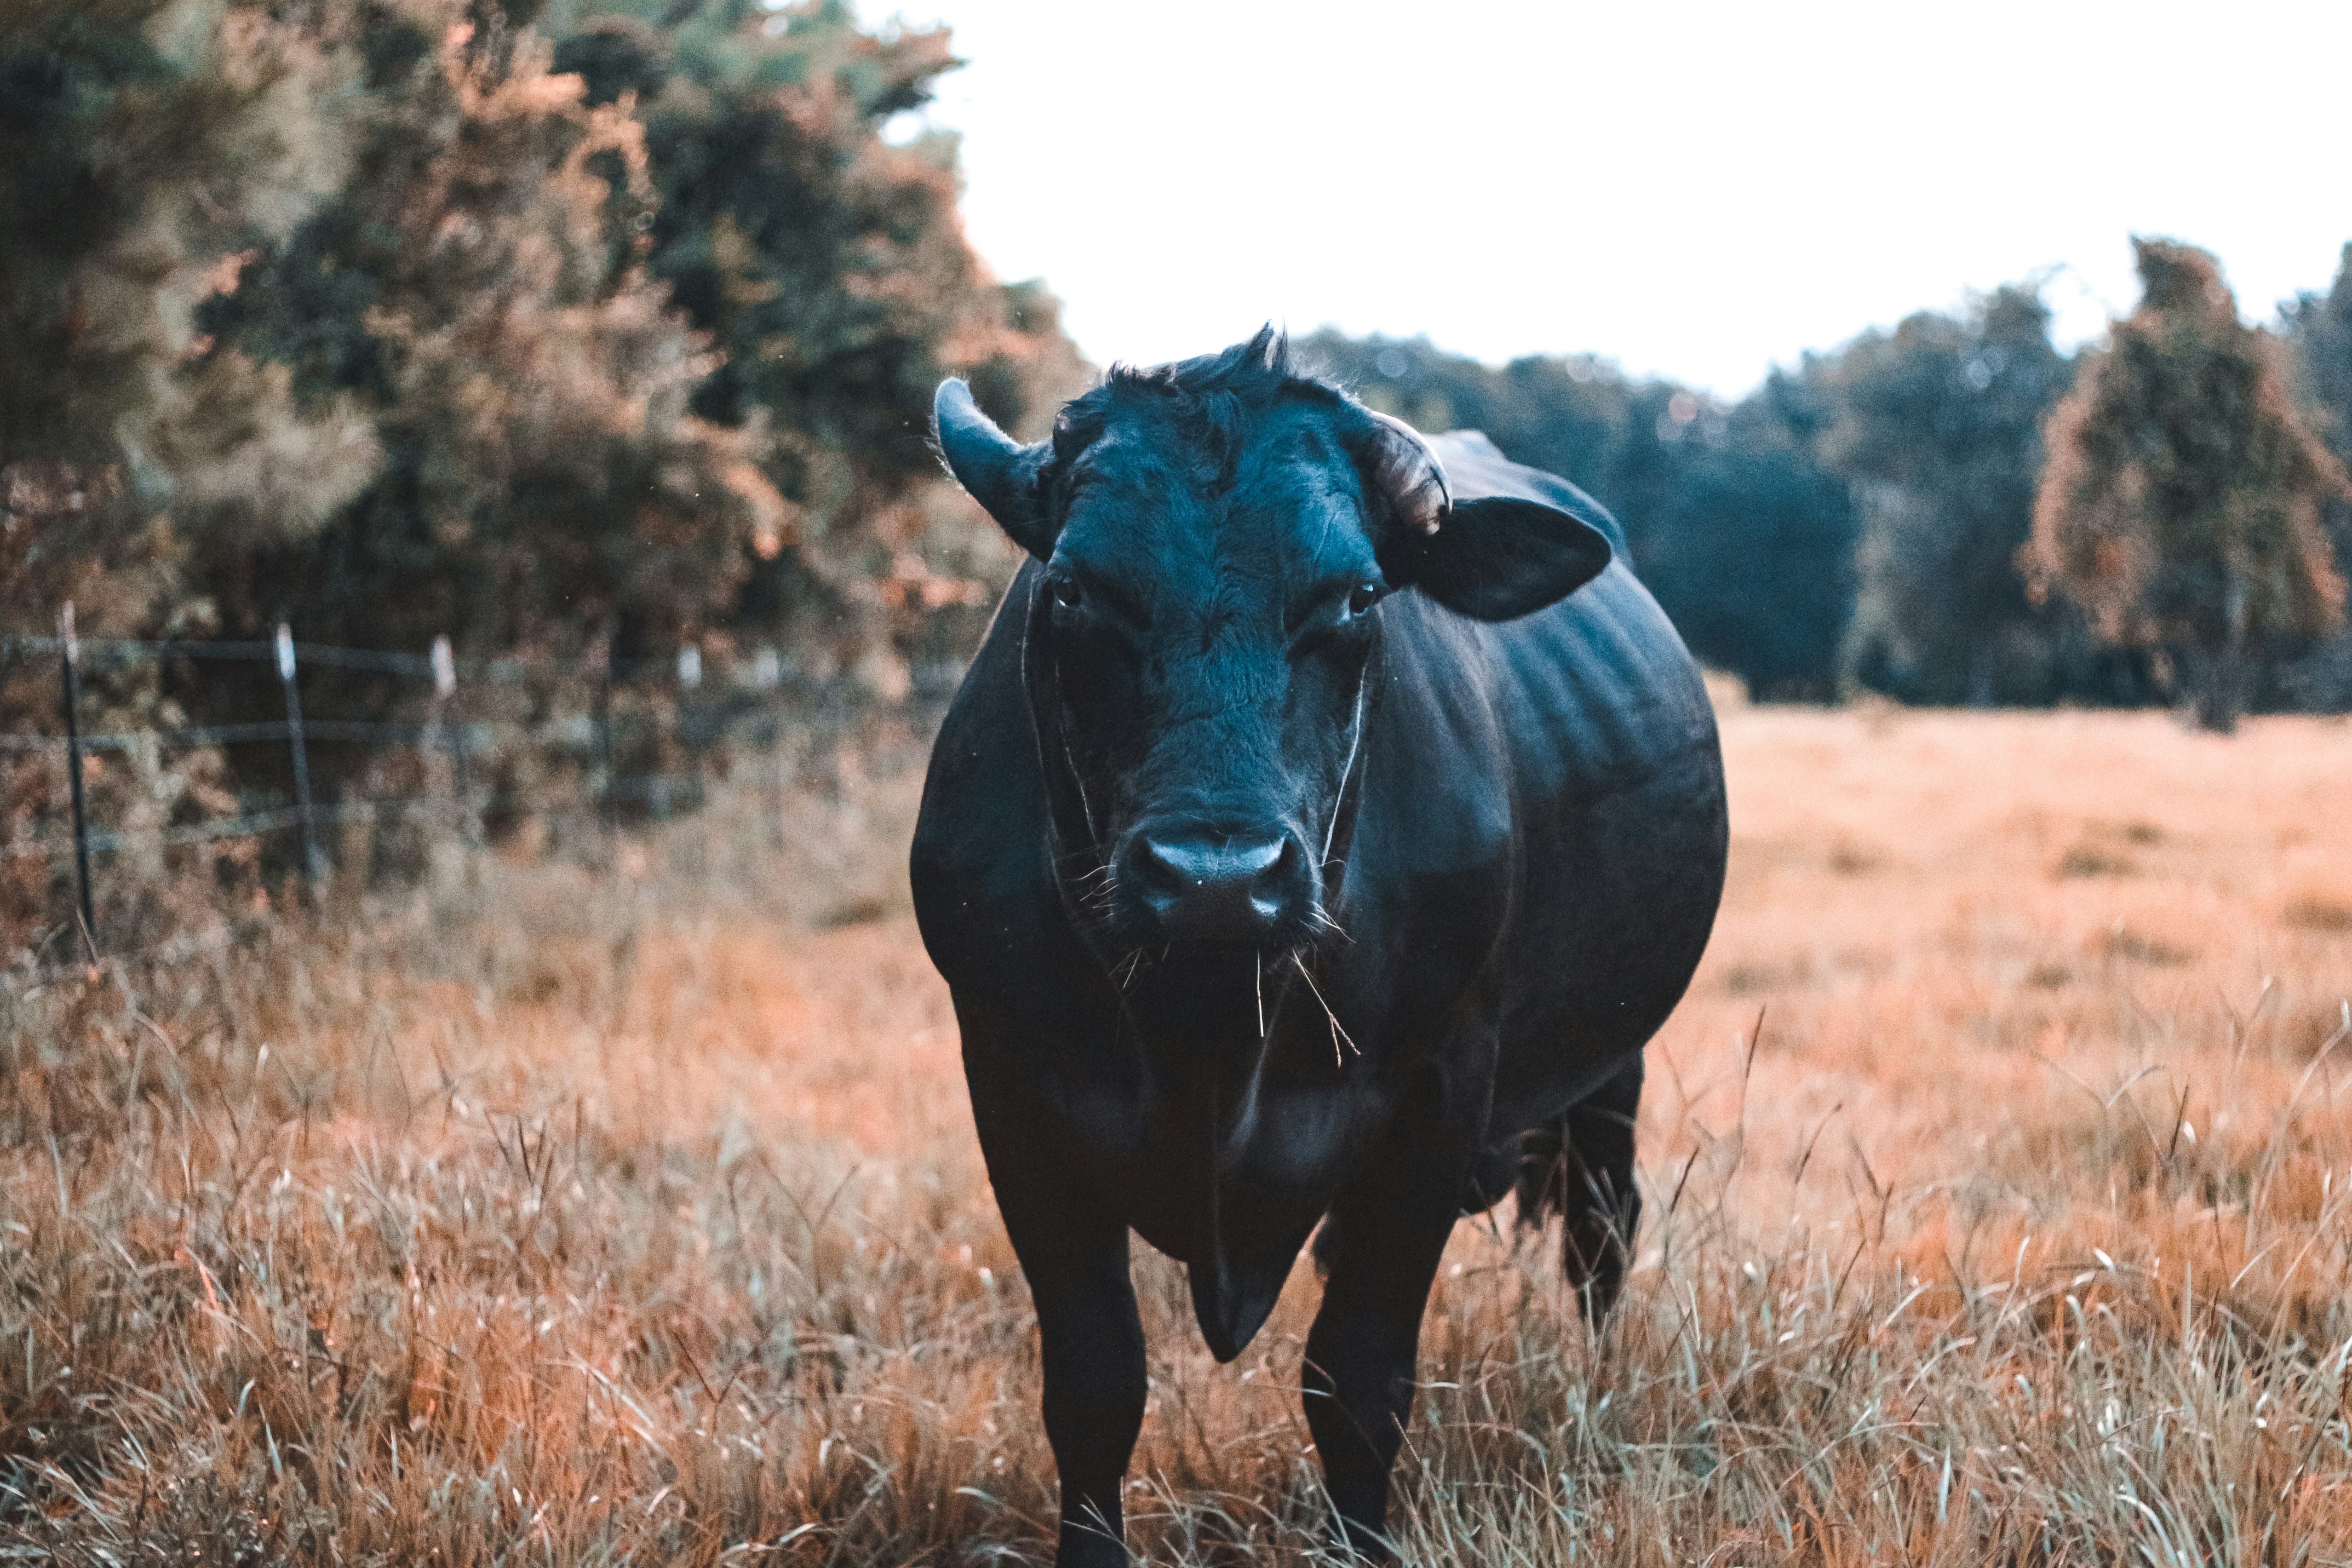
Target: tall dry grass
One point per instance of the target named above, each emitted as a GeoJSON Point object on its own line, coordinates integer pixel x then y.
{"type": "Point", "coordinates": [633, 1215]}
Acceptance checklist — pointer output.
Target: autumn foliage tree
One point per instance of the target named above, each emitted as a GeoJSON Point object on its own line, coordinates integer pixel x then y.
{"type": "Point", "coordinates": [554, 327]}
{"type": "Point", "coordinates": [479, 289]}
{"type": "Point", "coordinates": [144, 146]}
{"type": "Point", "coordinates": [2180, 504]}
{"type": "Point", "coordinates": [826, 267]}
{"type": "Point", "coordinates": [514, 321]}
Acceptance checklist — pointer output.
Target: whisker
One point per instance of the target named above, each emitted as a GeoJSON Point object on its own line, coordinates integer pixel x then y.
{"type": "Point", "coordinates": [1322, 918]}
{"type": "Point", "coordinates": [1257, 961]}
{"type": "Point", "coordinates": [1087, 855]}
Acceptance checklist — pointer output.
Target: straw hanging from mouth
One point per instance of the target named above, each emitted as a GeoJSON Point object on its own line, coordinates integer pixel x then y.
{"type": "Point", "coordinates": [1338, 1033]}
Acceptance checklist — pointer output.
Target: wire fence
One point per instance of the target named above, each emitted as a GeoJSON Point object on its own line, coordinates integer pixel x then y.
{"type": "Point", "coordinates": [456, 808]}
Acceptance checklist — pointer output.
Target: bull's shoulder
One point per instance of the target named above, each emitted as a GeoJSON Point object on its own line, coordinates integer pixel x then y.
{"type": "Point", "coordinates": [1436, 768]}
{"type": "Point", "coordinates": [1593, 696]}
{"type": "Point", "coordinates": [979, 864]}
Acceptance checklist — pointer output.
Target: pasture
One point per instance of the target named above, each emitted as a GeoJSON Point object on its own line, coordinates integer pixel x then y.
{"type": "Point", "coordinates": [1997, 1164]}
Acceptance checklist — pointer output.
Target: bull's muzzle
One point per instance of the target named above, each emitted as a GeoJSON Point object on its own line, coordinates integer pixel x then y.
{"type": "Point", "coordinates": [1219, 888]}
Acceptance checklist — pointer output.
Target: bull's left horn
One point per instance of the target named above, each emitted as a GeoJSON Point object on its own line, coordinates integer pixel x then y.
{"type": "Point", "coordinates": [1406, 471]}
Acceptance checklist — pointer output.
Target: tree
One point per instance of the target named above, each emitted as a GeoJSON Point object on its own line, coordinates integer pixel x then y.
{"type": "Point", "coordinates": [1936, 429]}
{"type": "Point", "coordinates": [1744, 538]}
{"type": "Point", "coordinates": [2319, 332]}
{"type": "Point", "coordinates": [2181, 505]}
{"type": "Point", "coordinates": [828, 268]}
{"type": "Point", "coordinates": [478, 288]}
{"type": "Point", "coordinates": [518, 319]}
{"type": "Point", "coordinates": [1751, 548]}
{"type": "Point", "coordinates": [146, 147]}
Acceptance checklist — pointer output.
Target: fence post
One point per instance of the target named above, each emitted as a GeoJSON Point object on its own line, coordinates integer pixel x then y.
{"type": "Point", "coordinates": [312, 873]}
{"type": "Point", "coordinates": [768, 675]}
{"type": "Point", "coordinates": [445, 687]}
{"type": "Point", "coordinates": [69, 661]}
{"type": "Point", "coordinates": [601, 716]}
{"type": "Point", "coordinates": [689, 681]}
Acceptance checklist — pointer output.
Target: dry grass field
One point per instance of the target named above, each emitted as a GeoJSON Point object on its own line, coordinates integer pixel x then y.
{"type": "Point", "coordinates": [1997, 1166]}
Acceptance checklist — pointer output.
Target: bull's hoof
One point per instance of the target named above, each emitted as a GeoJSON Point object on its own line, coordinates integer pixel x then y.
{"type": "Point", "coordinates": [1352, 1540]}
{"type": "Point", "coordinates": [1087, 1546]}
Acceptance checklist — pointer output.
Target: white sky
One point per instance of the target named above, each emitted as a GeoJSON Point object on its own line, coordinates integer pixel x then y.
{"type": "Point", "coordinates": [1696, 190]}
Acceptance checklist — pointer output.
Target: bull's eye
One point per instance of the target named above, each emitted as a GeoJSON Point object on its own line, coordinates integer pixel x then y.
{"type": "Point", "coordinates": [1363, 597]}
{"type": "Point", "coordinates": [1065, 593]}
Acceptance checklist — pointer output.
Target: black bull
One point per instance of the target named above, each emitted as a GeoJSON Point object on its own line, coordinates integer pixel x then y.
{"type": "Point", "coordinates": [1268, 904]}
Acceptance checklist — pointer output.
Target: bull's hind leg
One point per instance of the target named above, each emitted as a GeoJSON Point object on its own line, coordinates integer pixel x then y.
{"type": "Point", "coordinates": [1582, 1168]}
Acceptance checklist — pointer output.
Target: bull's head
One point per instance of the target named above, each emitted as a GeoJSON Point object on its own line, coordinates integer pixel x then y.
{"type": "Point", "coordinates": [1217, 539]}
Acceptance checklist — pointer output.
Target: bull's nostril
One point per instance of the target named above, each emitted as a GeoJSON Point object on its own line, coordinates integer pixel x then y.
{"type": "Point", "coordinates": [1272, 885]}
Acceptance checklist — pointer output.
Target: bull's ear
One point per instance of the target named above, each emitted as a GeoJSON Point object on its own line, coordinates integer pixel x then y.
{"type": "Point", "coordinates": [1492, 558]}
{"type": "Point", "coordinates": [1498, 557]}
{"type": "Point", "coordinates": [1001, 474]}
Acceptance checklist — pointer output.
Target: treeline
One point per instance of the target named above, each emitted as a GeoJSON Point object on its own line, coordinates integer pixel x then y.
{"type": "Point", "coordinates": [573, 330]}
{"type": "Point", "coordinates": [1866, 519]}
{"type": "Point", "coordinates": [515, 323]}
{"type": "Point", "coordinates": [580, 332]}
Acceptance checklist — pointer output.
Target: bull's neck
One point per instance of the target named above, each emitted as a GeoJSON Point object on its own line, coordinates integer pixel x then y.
{"type": "Point", "coordinates": [1207, 1031]}
{"type": "Point", "coordinates": [1201, 1022]}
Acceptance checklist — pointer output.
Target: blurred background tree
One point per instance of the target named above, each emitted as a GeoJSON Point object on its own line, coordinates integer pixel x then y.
{"type": "Point", "coordinates": [2318, 329]}
{"type": "Point", "coordinates": [507, 321]}
{"type": "Point", "coordinates": [648, 314]}
{"type": "Point", "coordinates": [1750, 544]}
{"type": "Point", "coordinates": [476, 287]}
{"type": "Point", "coordinates": [581, 330]}
{"type": "Point", "coordinates": [2181, 505]}
{"type": "Point", "coordinates": [1936, 429]}
{"type": "Point", "coordinates": [147, 145]}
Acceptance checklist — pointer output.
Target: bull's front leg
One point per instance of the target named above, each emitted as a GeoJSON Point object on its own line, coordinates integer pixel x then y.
{"type": "Point", "coordinates": [1381, 1247]}
{"type": "Point", "coordinates": [1074, 1255]}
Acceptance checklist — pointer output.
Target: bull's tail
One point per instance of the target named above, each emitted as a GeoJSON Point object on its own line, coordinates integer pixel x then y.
{"type": "Point", "coordinates": [1580, 1166]}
